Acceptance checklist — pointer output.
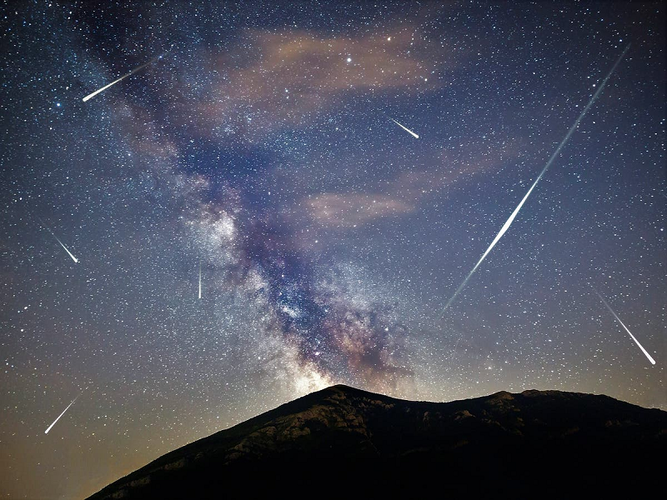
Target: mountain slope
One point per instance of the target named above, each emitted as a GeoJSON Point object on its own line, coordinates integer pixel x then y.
{"type": "Point", "coordinates": [346, 442]}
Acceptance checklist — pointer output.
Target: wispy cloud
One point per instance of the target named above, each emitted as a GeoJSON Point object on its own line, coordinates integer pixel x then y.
{"type": "Point", "coordinates": [351, 210]}
{"type": "Point", "coordinates": [409, 189]}
{"type": "Point", "coordinates": [277, 79]}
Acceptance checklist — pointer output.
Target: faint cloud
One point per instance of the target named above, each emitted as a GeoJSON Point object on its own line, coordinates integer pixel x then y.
{"type": "Point", "coordinates": [404, 194]}
{"type": "Point", "coordinates": [458, 165]}
{"type": "Point", "coordinates": [276, 79]}
{"type": "Point", "coordinates": [351, 210]}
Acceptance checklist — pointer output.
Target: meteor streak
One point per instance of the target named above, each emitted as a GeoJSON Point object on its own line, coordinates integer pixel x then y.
{"type": "Point", "coordinates": [90, 96]}
{"type": "Point", "coordinates": [507, 224]}
{"type": "Point", "coordinates": [200, 279]}
{"type": "Point", "coordinates": [626, 328]}
{"type": "Point", "coordinates": [68, 406]}
{"type": "Point", "coordinates": [406, 129]}
{"type": "Point", "coordinates": [76, 261]}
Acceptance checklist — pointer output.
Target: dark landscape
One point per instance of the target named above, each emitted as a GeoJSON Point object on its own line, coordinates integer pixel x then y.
{"type": "Point", "coordinates": [347, 443]}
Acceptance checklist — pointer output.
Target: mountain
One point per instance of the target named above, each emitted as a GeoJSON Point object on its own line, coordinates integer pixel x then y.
{"type": "Point", "coordinates": [346, 443]}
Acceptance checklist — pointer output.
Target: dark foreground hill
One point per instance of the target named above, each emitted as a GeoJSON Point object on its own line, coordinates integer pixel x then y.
{"type": "Point", "coordinates": [346, 443]}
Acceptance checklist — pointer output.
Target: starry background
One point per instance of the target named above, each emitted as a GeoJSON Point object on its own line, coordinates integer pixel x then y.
{"type": "Point", "coordinates": [258, 146]}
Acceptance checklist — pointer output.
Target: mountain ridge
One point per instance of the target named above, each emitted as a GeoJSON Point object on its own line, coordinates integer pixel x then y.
{"type": "Point", "coordinates": [347, 430]}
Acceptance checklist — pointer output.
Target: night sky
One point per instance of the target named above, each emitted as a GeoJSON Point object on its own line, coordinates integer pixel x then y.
{"type": "Point", "coordinates": [259, 145]}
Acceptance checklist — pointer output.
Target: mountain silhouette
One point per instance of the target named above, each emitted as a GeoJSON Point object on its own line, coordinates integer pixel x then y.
{"type": "Point", "coordinates": [342, 442]}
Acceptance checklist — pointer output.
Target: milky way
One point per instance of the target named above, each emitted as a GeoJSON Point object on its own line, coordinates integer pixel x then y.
{"type": "Point", "coordinates": [248, 222]}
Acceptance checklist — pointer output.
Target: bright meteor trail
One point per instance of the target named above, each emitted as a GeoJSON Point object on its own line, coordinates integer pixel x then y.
{"type": "Point", "coordinates": [626, 328]}
{"type": "Point", "coordinates": [68, 406]}
{"type": "Point", "coordinates": [200, 279]}
{"type": "Point", "coordinates": [406, 129]}
{"type": "Point", "coordinates": [507, 224]}
{"type": "Point", "coordinates": [76, 261]}
{"type": "Point", "coordinates": [90, 96]}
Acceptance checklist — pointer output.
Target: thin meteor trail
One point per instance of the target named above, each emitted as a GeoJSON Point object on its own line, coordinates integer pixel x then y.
{"type": "Point", "coordinates": [90, 96]}
{"type": "Point", "coordinates": [406, 129]}
{"type": "Point", "coordinates": [626, 328]}
{"type": "Point", "coordinates": [507, 224]}
{"type": "Point", "coordinates": [200, 279]}
{"type": "Point", "coordinates": [68, 406]}
{"type": "Point", "coordinates": [76, 261]}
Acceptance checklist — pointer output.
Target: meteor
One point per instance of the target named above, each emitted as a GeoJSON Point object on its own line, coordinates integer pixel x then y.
{"type": "Point", "coordinates": [68, 406]}
{"type": "Point", "coordinates": [626, 328]}
{"type": "Point", "coordinates": [200, 279]}
{"type": "Point", "coordinates": [507, 224]}
{"type": "Point", "coordinates": [90, 96]}
{"type": "Point", "coordinates": [76, 261]}
{"type": "Point", "coordinates": [406, 129]}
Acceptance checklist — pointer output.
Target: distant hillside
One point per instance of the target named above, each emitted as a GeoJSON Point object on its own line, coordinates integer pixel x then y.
{"type": "Point", "coordinates": [346, 443]}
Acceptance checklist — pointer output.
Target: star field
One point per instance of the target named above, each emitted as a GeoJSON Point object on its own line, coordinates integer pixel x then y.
{"type": "Point", "coordinates": [260, 143]}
